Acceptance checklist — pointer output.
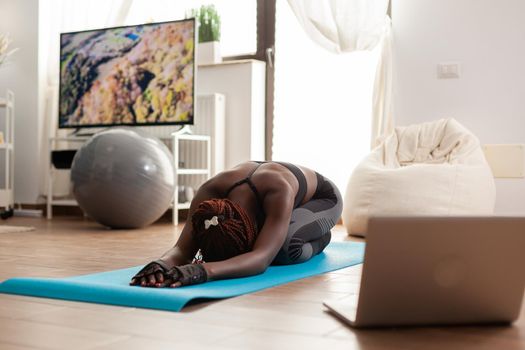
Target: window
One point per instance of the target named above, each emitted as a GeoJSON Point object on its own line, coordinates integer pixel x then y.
{"type": "Point", "coordinates": [323, 102]}
{"type": "Point", "coordinates": [238, 20]}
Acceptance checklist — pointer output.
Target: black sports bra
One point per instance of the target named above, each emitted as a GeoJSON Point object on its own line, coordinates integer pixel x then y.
{"type": "Point", "coordinates": [260, 215]}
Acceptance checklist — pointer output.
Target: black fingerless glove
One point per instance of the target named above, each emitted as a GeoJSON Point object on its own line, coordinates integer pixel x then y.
{"type": "Point", "coordinates": [152, 268]}
{"type": "Point", "coordinates": [188, 274]}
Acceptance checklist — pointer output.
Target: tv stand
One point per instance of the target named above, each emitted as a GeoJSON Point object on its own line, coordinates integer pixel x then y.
{"type": "Point", "coordinates": [187, 162]}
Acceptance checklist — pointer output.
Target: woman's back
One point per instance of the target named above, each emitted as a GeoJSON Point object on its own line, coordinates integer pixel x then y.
{"type": "Point", "coordinates": [265, 177]}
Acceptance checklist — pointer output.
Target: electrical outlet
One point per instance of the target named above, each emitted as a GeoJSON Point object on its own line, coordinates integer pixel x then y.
{"type": "Point", "coordinates": [448, 70]}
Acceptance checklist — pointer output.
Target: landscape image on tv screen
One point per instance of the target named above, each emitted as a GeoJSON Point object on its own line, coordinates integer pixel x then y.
{"type": "Point", "coordinates": [135, 75]}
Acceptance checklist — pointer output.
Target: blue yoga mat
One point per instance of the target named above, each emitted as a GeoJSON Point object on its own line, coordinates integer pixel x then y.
{"type": "Point", "coordinates": [112, 287]}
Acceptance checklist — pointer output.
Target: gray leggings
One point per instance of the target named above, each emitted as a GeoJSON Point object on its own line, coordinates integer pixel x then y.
{"type": "Point", "coordinates": [310, 224]}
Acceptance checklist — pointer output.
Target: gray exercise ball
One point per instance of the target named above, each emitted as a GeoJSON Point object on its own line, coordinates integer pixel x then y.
{"type": "Point", "coordinates": [123, 179]}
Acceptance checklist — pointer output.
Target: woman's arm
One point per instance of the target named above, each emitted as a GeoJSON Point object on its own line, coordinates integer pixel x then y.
{"type": "Point", "coordinates": [185, 249]}
{"type": "Point", "coordinates": [278, 207]}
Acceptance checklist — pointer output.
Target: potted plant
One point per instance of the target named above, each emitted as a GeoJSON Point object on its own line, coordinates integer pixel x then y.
{"type": "Point", "coordinates": [209, 31]}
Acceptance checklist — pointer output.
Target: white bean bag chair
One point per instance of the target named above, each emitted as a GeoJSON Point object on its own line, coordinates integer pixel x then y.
{"type": "Point", "coordinates": [434, 169]}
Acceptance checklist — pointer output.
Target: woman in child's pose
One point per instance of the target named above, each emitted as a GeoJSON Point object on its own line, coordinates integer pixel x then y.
{"type": "Point", "coordinates": [244, 219]}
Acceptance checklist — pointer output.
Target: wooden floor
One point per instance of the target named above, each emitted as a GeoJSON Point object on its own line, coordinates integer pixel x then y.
{"type": "Point", "coordinates": [285, 317]}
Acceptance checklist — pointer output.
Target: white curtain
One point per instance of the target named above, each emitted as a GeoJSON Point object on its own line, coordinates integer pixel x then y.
{"type": "Point", "coordinates": [354, 25]}
{"type": "Point", "coordinates": [323, 100]}
{"type": "Point", "coordinates": [75, 15]}
{"type": "Point", "coordinates": [57, 16]}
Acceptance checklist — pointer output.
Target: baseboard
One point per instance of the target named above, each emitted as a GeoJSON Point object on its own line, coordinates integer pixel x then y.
{"type": "Point", "coordinates": [68, 210]}
{"type": "Point", "coordinates": [35, 213]}
{"type": "Point", "coordinates": [39, 210]}
{"type": "Point", "coordinates": [29, 210]}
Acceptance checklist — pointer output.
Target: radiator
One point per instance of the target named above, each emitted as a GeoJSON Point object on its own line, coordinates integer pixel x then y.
{"type": "Point", "coordinates": [210, 120]}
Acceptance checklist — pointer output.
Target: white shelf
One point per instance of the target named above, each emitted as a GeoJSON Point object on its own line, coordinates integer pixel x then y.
{"type": "Point", "coordinates": [176, 145]}
{"type": "Point", "coordinates": [191, 137]}
{"type": "Point", "coordinates": [7, 198]}
{"type": "Point", "coordinates": [177, 139]}
{"type": "Point", "coordinates": [193, 171]}
{"type": "Point", "coordinates": [185, 205]}
{"type": "Point", "coordinates": [65, 202]}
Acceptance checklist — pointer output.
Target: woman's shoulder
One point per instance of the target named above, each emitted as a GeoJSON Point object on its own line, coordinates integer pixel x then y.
{"type": "Point", "coordinates": [227, 177]}
{"type": "Point", "coordinates": [274, 177]}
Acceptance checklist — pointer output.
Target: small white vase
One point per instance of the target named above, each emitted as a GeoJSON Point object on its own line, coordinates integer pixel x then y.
{"type": "Point", "coordinates": [209, 53]}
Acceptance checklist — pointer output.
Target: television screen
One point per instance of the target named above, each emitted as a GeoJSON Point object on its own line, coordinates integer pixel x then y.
{"type": "Point", "coordinates": [133, 75]}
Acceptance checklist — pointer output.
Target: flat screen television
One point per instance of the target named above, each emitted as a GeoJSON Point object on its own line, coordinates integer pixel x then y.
{"type": "Point", "coordinates": [132, 75]}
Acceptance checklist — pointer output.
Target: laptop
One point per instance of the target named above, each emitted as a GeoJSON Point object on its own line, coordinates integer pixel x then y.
{"type": "Point", "coordinates": [438, 271]}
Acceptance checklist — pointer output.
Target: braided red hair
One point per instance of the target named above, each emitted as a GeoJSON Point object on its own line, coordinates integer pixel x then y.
{"type": "Point", "coordinates": [234, 232]}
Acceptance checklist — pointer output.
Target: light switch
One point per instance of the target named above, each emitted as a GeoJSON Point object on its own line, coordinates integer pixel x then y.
{"type": "Point", "coordinates": [506, 160]}
{"type": "Point", "coordinates": [448, 70]}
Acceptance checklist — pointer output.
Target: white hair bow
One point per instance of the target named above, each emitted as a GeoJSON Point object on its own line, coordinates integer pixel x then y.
{"type": "Point", "coordinates": [213, 221]}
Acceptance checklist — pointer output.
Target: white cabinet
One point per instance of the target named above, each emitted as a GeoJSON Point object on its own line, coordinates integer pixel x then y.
{"type": "Point", "coordinates": [192, 166]}
{"type": "Point", "coordinates": [7, 147]}
{"type": "Point", "coordinates": [243, 85]}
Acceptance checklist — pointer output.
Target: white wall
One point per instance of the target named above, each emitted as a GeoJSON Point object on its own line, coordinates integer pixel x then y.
{"type": "Point", "coordinates": [487, 37]}
{"type": "Point", "coordinates": [20, 19]}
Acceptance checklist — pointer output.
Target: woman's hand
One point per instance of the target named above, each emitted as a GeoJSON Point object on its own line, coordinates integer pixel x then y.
{"type": "Point", "coordinates": [156, 275]}
{"type": "Point", "coordinates": [151, 275]}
